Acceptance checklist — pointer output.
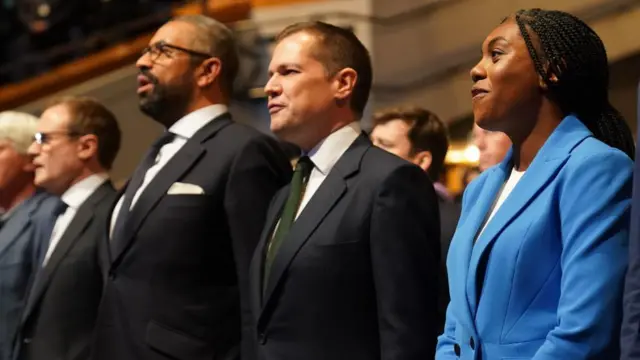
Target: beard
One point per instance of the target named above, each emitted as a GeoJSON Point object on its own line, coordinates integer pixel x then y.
{"type": "Point", "coordinates": [165, 103]}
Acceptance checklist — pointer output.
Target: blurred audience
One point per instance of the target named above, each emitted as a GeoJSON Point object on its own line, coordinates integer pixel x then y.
{"type": "Point", "coordinates": [493, 146]}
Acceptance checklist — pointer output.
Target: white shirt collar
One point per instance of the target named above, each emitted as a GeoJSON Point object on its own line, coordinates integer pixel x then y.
{"type": "Point", "coordinates": [80, 191]}
{"type": "Point", "coordinates": [192, 122]}
{"type": "Point", "coordinates": [325, 155]}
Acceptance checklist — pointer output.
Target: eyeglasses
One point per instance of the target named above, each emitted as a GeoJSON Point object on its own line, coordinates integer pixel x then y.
{"type": "Point", "coordinates": [42, 138]}
{"type": "Point", "coordinates": [161, 48]}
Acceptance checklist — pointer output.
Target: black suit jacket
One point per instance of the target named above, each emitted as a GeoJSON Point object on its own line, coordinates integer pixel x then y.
{"type": "Point", "coordinates": [449, 216]}
{"type": "Point", "coordinates": [177, 281]}
{"type": "Point", "coordinates": [356, 277]}
{"type": "Point", "coordinates": [60, 314]}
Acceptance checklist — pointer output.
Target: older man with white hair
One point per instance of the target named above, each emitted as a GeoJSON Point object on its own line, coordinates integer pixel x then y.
{"type": "Point", "coordinates": [23, 208]}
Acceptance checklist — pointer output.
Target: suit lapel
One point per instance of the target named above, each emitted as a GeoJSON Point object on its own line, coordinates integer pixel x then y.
{"type": "Point", "coordinates": [477, 213]}
{"type": "Point", "coordinates": [72, 234]}
{"type": "Point", "coordinates": [181, 163]}
{"type": "Point", "coordinates": [11, 232]}
{"type": "Point", "coordinates": [326, 197]}
{"type": "Point", "coordinates": [257, 263]}
{"type": "Point", "coordinates": [18, 223]}
{"type": "Point", "coordinates": [542, 170]}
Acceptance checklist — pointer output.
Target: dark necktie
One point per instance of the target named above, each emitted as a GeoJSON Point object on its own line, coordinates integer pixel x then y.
{"type": "Point", "coordinates": [296, 193]}
{"type": "Point", "coordinates": [46, 225]}
{"type": "Point", "coordinates": [136, 181]}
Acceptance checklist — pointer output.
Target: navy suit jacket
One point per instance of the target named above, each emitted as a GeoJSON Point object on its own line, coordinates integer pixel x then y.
{"type": "Point", "coordinates": [630, 334]}
{"type": "Point", "coordinates": [19, 251]}
{"type": "Point", "coordinates": [544, 280]}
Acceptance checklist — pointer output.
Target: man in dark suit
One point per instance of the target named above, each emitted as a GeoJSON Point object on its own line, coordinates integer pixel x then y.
{"type": "Point", "coordinates": [21, 206]}
{"type": "Point", "coordinates": [184, 230]}
{"type": "Point", "coordinates": [76, 144]}
{"type": "Point", "coordinates": [419, 136]}
{"type": "Point", "coordinates": [630, 332]}
{"type": "Point", "coordinates": [348, 263]}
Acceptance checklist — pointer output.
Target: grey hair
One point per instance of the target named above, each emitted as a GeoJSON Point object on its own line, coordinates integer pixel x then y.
{"type": "Point", "coordinates": [215, 38]}
{"type": "Point", "coordinates": [18, 128]}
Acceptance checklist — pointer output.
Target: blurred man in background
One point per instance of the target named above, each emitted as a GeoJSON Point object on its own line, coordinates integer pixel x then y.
{"type": "Point", "coordinates": [419, 136]}
{"type": "Point", "coordinates": [19, 226]}
{"type": "Point", "coordinates": [75, 146]}
{"type": "Point", "coordinates": [493, 146]}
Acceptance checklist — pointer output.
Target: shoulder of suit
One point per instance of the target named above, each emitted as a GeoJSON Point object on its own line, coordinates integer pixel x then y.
{"type": "Point", "coordinates": [592, 148]}
{"type": "Point", "coordinates": [379, 165]}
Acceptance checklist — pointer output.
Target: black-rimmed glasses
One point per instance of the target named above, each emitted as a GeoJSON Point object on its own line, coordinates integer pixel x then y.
{"type": "Point", "coordinates": [160, 48]}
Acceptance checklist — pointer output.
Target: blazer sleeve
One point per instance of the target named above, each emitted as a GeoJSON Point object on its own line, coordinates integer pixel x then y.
{"type": "Point", "coordinates": [257, 173]}
{"type": "Point", "coordinates": [595, 200]}
{"type": "Point", "coordinates": [405, 255]}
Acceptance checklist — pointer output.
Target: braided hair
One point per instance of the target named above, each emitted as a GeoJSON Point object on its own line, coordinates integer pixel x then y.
{"type": "Point", "coordinates": [574, 53]}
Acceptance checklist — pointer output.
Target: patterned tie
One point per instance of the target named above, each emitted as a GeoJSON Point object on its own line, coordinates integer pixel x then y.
{"type": "Point", "coordinates": [136, 181]}
{"type": "Point", "coordinates": [296, 192]}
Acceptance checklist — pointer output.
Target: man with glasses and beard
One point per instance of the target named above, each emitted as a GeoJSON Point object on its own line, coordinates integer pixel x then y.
{"type": "Point", "coordinates": [183, 231]}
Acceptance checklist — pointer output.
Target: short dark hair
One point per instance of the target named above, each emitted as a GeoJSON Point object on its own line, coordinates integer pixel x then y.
{"type": "Point", "coordinates": [89, 116]}
{"type": "Point", "coordinates": [216, 39]}
{"type": "Point", "coordinates": [426, 133]}
{"type": "Point", "coordinates": [337, 49]}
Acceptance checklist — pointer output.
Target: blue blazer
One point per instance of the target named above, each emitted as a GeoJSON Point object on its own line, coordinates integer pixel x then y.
{"type": "Point", "coordinates": [544, 280]}
{"type": "Point", "coordinates": [19, 254]}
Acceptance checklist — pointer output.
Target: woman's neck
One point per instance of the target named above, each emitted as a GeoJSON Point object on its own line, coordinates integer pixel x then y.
{"type": "Point", "coordinates": [526, 146]}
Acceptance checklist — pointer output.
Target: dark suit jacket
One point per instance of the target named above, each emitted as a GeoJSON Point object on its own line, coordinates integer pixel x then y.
{"type": "Point", "coordinates": [61, 308]}
{"type": "Point", "coordinates": [177, 280]}
{"type": "Point", "coordinates": [356, 277]}
{"type": "Point", "coordinates": [19, 249]}
{"type": "Point", "coordinates": [449, 215]}
{"type": "Point", "coordinates": [630, 332]}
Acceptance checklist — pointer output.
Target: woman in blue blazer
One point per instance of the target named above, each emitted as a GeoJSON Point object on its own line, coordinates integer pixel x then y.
{"type": "Point", "coordinates": [537, 263]}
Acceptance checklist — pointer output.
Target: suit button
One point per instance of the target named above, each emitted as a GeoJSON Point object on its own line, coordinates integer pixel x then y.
{"type": "Point", "coordinates": [456, 349]}
{"type": "Point", "coordinates": [262, 338]}
{"type": "Point", "coordinates": [26, 341]}
{"type": "Point", "coordinates": [472, 344]}
{"type": "Point", "coordinates": [112, 275]}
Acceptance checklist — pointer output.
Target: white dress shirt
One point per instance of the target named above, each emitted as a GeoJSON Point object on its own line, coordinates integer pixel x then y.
{"type": "Point", "coordinates": [506, 190]}
{"type": "Point", "coordinates": [74, 197]}
{"type": "Point", "coordinates": [325, 155]}
{"type": "Point", "coordinates": [184, 129]}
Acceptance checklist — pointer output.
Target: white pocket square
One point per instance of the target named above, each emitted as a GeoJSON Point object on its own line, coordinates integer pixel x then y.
{"type": "Point", "coordinates": [179, 188]}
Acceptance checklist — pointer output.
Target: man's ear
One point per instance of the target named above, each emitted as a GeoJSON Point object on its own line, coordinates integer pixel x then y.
{"type": "Point", "coordinates": [423, 159]}
{"type": "Point", "coordinates": [87, 147]}
{"type": "Point", "coordinates": [345, 82]}
{"type": "Point", "coordinates": [208, 72]}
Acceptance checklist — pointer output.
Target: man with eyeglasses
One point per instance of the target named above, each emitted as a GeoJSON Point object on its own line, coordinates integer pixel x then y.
{"type": "Point", "coordinates": [183, 232]}
{"type": "Point", "coordinates": [75, 146]}
{"type": "Point", "coordinates": [22, 205]}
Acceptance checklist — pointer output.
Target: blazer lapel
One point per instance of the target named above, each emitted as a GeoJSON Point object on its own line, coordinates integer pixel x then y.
{"type": "Point", "coordinates": [257, 263]}
{"type": "Point", "coordinates": [72, 234]}
{"type": "Point", "coordinates": [181, 163]}
{"type": "Point", "coordinates": [542, 170]}
{"type": "Point", "coordinates": [489, 189]}
{"type": "Point", "coordinates": [11, 232]}
{"type": "Point", "coordinates": [330, 192]}
{"type": "Point", "coordinates": [18, 223]}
